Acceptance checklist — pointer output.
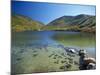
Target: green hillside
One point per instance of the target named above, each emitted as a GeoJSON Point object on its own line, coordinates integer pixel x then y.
{"type": "Point", "coordinates": [84, 23]}
{"type": "Point", "coordinates": [23, 23]}
{"type": "Point", "coordinates": [76, 23]}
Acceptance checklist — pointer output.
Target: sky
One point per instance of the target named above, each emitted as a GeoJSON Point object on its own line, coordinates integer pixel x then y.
{"type": "Point", "coordinates": [46, 12]}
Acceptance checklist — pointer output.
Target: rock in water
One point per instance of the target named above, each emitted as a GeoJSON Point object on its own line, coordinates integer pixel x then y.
{"type": "Point", "coordinates": [62, 67]}
{"type": "Point", "coordinates": [82, 52]}
{"type": "Point", "coordinates": [91, 66]}
{"type": "Point", "coordinates": [72, 50]}
{"type": "Point", "coordinates": [86, 62]}
{"type": "Point", "coordinates": [89, 60]}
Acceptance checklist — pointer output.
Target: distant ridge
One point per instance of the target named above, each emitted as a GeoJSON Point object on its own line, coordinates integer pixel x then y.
{"type": "Point", "coordinates": [82, 22]}
{"type": "Point", "coordinates": [81, 19]}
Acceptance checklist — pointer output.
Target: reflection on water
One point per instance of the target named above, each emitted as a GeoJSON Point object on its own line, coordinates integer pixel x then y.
{"type": "Point", "coordinates": [69, 39]}
{"type": "Point", "coordinates": [32, 38]}
{"type": "Point", "coordinates": [77, 40]}
{"type": "Point", "coordinates": [33, 51]}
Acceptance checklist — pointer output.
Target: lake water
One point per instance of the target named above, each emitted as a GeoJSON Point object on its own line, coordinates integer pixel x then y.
{"type": "Point", "coordinates": [25, 44]}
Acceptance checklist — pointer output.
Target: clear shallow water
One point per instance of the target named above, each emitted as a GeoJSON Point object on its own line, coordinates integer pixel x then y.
{"type": "Point", "coordinates": [77, 40]}
{"type": "Point", "coordinates": [44, 38]}
{"type": "Point", "coordinates": [27, 45]}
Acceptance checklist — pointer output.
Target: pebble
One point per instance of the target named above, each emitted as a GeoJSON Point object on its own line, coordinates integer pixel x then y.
{"type": "Point", "coordinates": [63, 61]}
{"type": "Point", "coordinates": [56, 62]}
{"type": "Point", "coordinates": [68, 65]}
{"type": "Point", "coordinates": [62, 67]}
{"type": "Point", "coordinates": [71, 61]}
{"type": "Point", "coordinates": [54, 57]}
{"type": "Point", "coordinates": [34, 55]}
{"type": "Point", "coordinates": [18, 59]}
{"type": "Point", "coordinates": [59, 56]}
{"type": "Point", "coordinates": [51, 55]}
{"type": "Point", "coordinates": [72, 50]}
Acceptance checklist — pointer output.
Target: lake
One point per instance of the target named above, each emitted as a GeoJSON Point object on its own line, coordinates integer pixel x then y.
{"type": "Point", "coordinates": [33, 51]}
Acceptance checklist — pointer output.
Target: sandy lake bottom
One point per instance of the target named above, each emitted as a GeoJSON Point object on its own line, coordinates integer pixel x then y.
{"type": "Point", "coordinates": [35, 52]}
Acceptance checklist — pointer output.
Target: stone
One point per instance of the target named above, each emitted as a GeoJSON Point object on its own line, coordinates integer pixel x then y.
{"type": "Point", "coordinates": [91, 66]}
{"type": "Point", "coordinates": [34, 55]}
{"type": "Point", "coordinates": [62, 67]}
{"type": "Point", "coordinates": [72, 50]}
{"type": "Point", "coordinates": [89, 60]}
{"type": "Point", "coordinates": [63, 61]}
{"type": "Point", "coordinates": [82, 52]}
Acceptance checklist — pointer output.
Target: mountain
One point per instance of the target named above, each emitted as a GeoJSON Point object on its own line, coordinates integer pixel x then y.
{"type": "Point", "coordinates": [62, 21]}
{"type": "Point", "coordinates": [74, 20]}
{"type": "Point", "coordinates": [23, 23]}
{"type": "Point", "coordinates": [80, 22]}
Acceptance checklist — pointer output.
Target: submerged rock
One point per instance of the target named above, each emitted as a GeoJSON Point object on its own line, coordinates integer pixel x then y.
{"type": "Point", "coordinates": [91, 66]}
{"type": "Point", "coordinates": [70, 58]}
{"type": "Point", "coordinates": [89, 60]}
{"type": "Point", "coordinates": [82, 52]}
{"type": "Point", "coordinates": [72, 50]}
{"type": "Point", "coordinates": [60, 57]}
{"type": "Point", "coordinates": [62, 67]}
{"type": "Point", "coordinates": [86, 62]}
{"type": "Point", "coordinates": [34, 55]}
{"type": "Point", "coordinates": [63, 61]}
{"type": "Point", "coordinates": [54, 57]}
{"type": "Point", "coordinates": [18, 59]}
{"type": "Point", "coordinates": [71, 61]}
{"type": "Point", "coordinates": [66, 67]}
{"type": "Point", "coordinates": [51, 55]}
{"type": "Point", "coordinates": [56, 62]}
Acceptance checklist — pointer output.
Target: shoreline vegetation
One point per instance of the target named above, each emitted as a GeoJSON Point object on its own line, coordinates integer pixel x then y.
{"type": "Point", "coordinates": [80, 23]}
